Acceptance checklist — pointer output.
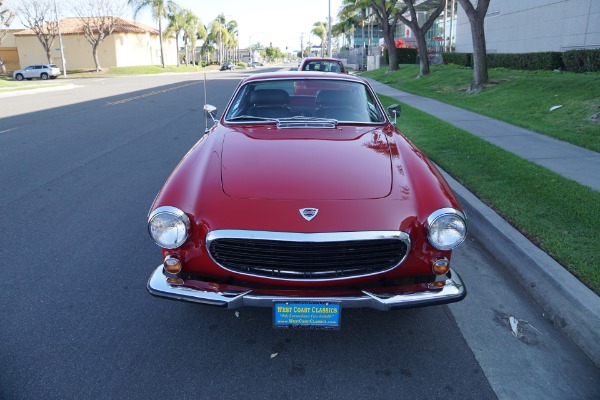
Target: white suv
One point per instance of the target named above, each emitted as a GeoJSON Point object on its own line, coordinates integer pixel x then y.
{"type": "Point", "coordinates": [42, 71]}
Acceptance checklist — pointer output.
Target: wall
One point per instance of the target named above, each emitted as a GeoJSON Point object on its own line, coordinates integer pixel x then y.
{"type": "Point", "coordinates": [142, 49]}
{"type": "Point", "coordinates": [117, 50]}
{"type": "Point", "coordinates": [8, 52]}
{"type": "Point", "coordinates": [517, 26]}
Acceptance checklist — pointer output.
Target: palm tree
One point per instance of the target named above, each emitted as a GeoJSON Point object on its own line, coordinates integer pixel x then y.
{"type": "Point", "coordinates": [200, 34]}
{"type": "Point", "coordinates": [190, 28]}
{"type": "Point", "coordinates": [176, 25]}
{"type": "Point", "coordinates": [320, 30]}
{"type": "Point", "coordinates": [232, 41]}
{"type": "Point", "coordinates": [218, 35]}
{"type": "Point", "coordinates": [159, 10]}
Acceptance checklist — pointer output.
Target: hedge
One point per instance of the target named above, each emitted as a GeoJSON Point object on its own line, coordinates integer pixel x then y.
{"type": "Point", "coordinates": [404, 55]}
{"type": "Point", "coordinates": [572, 60]}
{"type": "Point", "coordinates": [582, 60]}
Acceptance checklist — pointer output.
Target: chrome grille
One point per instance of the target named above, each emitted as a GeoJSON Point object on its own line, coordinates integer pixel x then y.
{"type": "Point", "coordinates": [307, 256]}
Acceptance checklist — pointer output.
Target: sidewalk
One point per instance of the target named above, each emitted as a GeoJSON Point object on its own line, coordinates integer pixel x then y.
{"type": "Point", "coordinates": [572, 162]}
{"type": "Point", "coordinates": [571, 306]}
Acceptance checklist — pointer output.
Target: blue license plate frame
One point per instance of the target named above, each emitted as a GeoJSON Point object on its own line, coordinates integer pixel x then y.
{"type": "Point", "coordinates": [318, 315]}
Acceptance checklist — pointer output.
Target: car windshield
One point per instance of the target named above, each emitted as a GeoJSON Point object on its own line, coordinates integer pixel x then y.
{"type": "Point", "coordinates": [322, 66]}
{"type": "Point", "coordinates": [318, 99]}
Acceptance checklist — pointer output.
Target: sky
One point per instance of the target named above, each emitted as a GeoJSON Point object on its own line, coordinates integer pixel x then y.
{"type": "Point", "coordinates": [280, 22]}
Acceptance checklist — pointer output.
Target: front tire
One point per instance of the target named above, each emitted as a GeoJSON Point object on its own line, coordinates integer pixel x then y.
{"type": "Point", "coordinates": [44, 76]}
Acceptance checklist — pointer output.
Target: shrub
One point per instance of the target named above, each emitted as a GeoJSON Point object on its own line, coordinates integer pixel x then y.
{"type": "Point", "coordinates": [526, 61]}
{"type": "Point", "coordinates": [582, 60]}
{"type": "Point", "coordinates": [461, 59]}
{"type": "Point", "coordinates": [404, 55]}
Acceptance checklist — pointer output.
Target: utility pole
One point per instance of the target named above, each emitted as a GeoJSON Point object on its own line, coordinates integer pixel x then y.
{"type": "Point", "coordinates": [302, 45]}
{"type": "Point", "coordinates": [60, 43]}
{"type": "Point", "coordinates": [329, 32]}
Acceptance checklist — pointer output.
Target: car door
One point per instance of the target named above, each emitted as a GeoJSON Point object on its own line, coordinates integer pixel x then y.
{"type": "Point", "coordinates": [29, 72]}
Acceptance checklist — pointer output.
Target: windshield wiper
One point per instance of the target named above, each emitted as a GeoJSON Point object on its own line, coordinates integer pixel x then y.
{"type": "Point", "coordinates": [251, 118]}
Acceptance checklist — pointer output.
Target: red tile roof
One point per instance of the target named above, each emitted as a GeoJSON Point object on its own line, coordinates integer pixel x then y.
{"type": "Point", "coordinates": [74, 26]}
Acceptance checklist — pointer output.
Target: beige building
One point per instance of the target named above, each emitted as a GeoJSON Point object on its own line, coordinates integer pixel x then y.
{"type": "Point", "coordinates": [8, 51]}
{"type": "Point", "coordinates": [130, 44]}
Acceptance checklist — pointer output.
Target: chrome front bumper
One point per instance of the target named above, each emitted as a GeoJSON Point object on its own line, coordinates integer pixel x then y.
{"type": "Point", "coordinates": [453, 290]}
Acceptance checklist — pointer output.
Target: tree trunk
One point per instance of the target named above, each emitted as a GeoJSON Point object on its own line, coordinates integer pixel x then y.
{"type": "Point", "coordinates": [423, 56]}
{"type": "Point", "coordinates": [96, 59]}
{"type": "Point", "coordinates": [476, 20]}
{"type": "Point", "coordinates": [392, 55]}
{"type": "Point", "coordinates": [160, 40]}
{"type": "Point", "coordinates": [177, 49]}
{"type": "Point", "coordinates": [480, 70]}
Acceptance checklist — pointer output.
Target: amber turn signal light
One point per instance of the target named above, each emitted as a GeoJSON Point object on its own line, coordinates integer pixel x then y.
{"type": "Point", "coordinates": [440, 266]}
{"type": "Point", "coordinates": [172, 265]}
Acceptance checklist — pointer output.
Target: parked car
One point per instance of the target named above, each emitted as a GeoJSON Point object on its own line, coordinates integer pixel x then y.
{"type": "Point", "coordinates": [322, 65]}
{"type": "Point", "coordinates": [227, 65]}
{"type": "Point", "coordinates": [42, 71]}
{"type": "Point", "coordinates": [304, 197]}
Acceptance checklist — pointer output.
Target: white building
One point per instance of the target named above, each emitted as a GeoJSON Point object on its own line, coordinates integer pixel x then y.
{"type": "Point", "coordinates": [518, 26]}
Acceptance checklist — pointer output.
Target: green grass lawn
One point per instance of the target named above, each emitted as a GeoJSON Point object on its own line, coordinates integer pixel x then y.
{"type": "Point", "coordinates": [560, 216]}
{"type": "Point", "coordinates": [8, 84]}
{"type": "Point", "coordinates": [522, 98]}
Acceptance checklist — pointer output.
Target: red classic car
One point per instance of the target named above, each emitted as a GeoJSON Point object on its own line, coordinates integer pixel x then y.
{"type": "Point", "coordinates": [304, 197]}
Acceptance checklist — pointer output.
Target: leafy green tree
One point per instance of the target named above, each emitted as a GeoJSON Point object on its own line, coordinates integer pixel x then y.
{"type": "Point", "coordinates": [386, 13]}
{"type": "Point", "coordinates": [190, 34]}
{"type": "Point", "coordinates": [159, 10]}
{"type": "Point", "coordinates": [346, 26]}
{"type": "Point", "coordinates": [274, 53]}
{"type": "Point", "coordinates": [176, 25]}
{"type": "Point", "coordinates": [421, 30]}
{"type": "Point", "coordinates": [320, 30]}
{"type": "Point", "coordinates": [200, 34]}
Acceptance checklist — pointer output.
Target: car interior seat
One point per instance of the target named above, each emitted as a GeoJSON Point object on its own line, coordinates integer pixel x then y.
{"type": "Point", "coordinates": [270, 103]}
{"type": "Point", "coordinates": [335, 104]}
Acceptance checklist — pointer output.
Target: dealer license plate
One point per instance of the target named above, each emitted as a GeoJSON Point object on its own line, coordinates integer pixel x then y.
{"type": "Point", "coordinates": [307, 315]}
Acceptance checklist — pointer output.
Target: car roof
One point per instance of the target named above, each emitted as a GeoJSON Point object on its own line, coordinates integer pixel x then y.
{"type": "Point", "coordinates": [303, 75]}
{"type": "Point", "coordinates": [320, 59]}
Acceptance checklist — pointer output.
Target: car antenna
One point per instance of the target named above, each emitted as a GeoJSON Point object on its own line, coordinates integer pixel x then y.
{"type": "Point", "coordinates": [205, 114]}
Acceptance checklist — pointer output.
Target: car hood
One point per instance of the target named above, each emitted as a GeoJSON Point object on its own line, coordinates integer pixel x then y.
{"type": "Point", "coordinates": [354, 164]}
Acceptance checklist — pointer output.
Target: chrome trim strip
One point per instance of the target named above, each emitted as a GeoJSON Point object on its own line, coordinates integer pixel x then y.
{"type": "Point", "coordinates": [453, 291]}
{"type": "Point", "coordinates": [307, 237]}
{"type": "Point", "coordinates": [443, 211]}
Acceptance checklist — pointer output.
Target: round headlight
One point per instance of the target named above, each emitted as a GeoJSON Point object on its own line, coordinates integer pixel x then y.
{"type": "Point", "coordinates": [169, 227]}
{"type": "Point", "coordinates": [447, 228]}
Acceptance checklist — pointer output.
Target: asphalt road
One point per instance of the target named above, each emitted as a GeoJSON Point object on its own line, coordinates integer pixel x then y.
{"type": "Point", "coordinates": [79, 169]}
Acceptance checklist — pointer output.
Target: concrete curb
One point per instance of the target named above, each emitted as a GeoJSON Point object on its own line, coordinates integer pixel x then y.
{"type": "Point", "coordinates": [571, 306]}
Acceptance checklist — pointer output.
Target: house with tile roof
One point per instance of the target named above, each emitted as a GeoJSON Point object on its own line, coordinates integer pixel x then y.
{"type": "Point", "coordinates": [131, 44]}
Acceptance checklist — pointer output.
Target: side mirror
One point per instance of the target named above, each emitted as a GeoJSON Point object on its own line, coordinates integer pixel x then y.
{"type": "Point", "coordinates": [211, 111]}
{"type": "Point", "coordinates": [394, 111]}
